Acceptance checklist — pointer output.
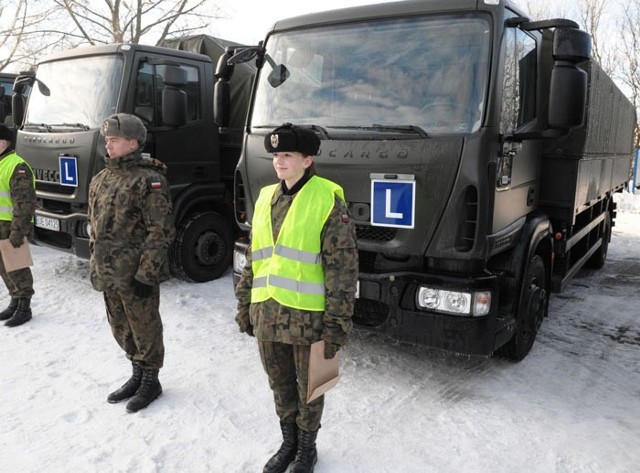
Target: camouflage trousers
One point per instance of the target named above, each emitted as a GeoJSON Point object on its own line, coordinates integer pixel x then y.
{"type": "Point", "coordinates": [287, 369]}
{"type": "Point", "coordinates": [136, 326]}
{"type": "Point", "coordinates": [19, 282]}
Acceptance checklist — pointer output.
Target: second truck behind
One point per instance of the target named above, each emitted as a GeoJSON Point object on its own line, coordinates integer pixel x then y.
{"type": "Point", "coordinates": [171, 90]}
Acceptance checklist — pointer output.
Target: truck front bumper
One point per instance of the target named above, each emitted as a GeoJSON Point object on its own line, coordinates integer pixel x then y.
{"type": "Point", "coordinates": [387, 303]}
{"type": "Point", "coordinates": [63, 232]}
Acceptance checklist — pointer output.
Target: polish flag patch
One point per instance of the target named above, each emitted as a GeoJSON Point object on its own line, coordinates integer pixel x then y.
{"type": "Point", "coordinates": [155, 185]}
{"type": "Point", "coordinates": [345, 218]}
{"type": "Point", "coordinates": [21, 172]}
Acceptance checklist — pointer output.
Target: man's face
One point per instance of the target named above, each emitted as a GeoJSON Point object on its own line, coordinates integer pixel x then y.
{"type": "Point", "coordinates": [290, 165]}
{"type": "Point", "coordinates": [118, 146]}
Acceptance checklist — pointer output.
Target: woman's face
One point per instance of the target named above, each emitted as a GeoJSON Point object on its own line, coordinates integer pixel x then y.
{"type": "Point", "coordinates": [290, 166]}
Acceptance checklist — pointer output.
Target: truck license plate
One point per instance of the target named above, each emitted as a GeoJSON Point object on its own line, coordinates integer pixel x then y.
{"type": "Point", "coordinates": [48, 223]}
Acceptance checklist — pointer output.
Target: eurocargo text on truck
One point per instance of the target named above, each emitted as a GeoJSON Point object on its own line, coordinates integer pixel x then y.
{"type": "Point", "coordinates": [171, 90]}
{"type": "Point", "coordinates": [479, 152]}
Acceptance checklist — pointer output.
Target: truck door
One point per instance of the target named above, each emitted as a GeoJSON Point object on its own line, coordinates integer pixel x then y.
{"type": "Point", "coordinates": [518, 167]}
{"type": "Point", "coordinates": [187, 149]}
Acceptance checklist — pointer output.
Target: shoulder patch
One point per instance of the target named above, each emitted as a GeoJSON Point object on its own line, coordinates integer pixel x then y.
{"type": "Point", "coordinates": [345, 218]}
{"type": "Point", "coordinates": [155, 185]}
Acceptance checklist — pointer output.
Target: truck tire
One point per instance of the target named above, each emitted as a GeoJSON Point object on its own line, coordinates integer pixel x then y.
{"type": "Point", "coordinates": [203, 247]}
{"type": "Point", "coordinates": [535, 294]}
{"type": "Point", "coordinates": [600, 256]}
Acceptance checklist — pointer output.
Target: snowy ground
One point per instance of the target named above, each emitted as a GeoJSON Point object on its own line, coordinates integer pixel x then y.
{"type": "Point", "coordinates": [573, 405]}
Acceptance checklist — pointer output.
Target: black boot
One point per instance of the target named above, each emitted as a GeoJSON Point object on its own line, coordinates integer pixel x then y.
{"type": "Point", "coordinates": [8, 312]}
{"type": "Point", "coordinates": [22, 313]}
{"type": "Point", "coordinates": [148, 391]}
{"type": "Point", "coordinates": [307, 455]}
{"type": "Point", "coordinates": [129, 388]}
{"type": "Point", "coordinates": [281, 460]}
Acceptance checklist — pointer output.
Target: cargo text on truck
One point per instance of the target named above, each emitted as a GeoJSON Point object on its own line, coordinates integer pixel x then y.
{"type": "Point", "coordinates": [171, 89]}
{"type": "Point", "coordinates": [479, 152]}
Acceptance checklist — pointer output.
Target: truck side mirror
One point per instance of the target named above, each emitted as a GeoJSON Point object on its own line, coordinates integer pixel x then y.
{"type": "Point", "coordinates": [174, 98]}
{"type": "Point", "coordinates": [567, 97]}
{"type": "Point", "coordinates": [569, 83]}
{"type": "Point", "coordinates": [21, 86]}
{"type": "Point", "coordinates": [17, 109]}
{"type": "Point", "coordinates": [222, 89]}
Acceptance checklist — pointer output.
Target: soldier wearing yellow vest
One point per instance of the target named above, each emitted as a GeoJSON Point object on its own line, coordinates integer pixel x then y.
{"type": "Point", "coordinates": [298, 286]}
{"type": "Point", "coordinates": [17, 206]}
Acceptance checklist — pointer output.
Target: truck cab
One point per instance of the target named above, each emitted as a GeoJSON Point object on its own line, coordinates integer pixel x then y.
{"type": "Point", "coordinates": [172, 92]}
{"type": "Point", "coordinates": [439, 118]}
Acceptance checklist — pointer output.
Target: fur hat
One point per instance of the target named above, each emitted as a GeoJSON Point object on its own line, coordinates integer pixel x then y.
{"type": "Point", "coordinates": [5, 133]}
{"type": "Point", "coordinates": [126, 126]}
{"type": "Point", "coordinates": [290, 137]}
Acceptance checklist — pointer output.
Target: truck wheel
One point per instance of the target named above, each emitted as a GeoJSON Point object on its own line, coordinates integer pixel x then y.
{"type": "Point", "coordinates": [203, 247]}
{"type": "Point", "coordinates": [599, 257]}
{"type": "Point", "coordinates": [535, 290]}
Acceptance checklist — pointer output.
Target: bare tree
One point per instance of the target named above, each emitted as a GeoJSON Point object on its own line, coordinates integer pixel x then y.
{"type": "Point", "coordinates": [22, 32]}
{"type": "Point", "coordinates": [592, 16]}
{"type": "Point", "coordinates": [630, 55]}
{"type": "Point", "coordinates": [544, 9]}
{"type": "Point", "coordinates": [117, 21]}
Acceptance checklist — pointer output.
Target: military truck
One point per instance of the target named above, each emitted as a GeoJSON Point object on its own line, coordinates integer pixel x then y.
{"type": "Point", "coordinates": [479, 152]}
{"type": "Point", "coordinates": [171, 90]}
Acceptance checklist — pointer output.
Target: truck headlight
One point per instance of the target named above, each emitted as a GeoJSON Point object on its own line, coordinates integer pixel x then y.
{"type": "Point", "coordinates": [454, 302]}
{"type": "Point", "coordinates": [239, 260]}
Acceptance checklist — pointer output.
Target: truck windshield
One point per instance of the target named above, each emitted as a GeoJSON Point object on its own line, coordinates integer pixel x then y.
{"type": "Point", "coordinates": [77, 92]}
{"type": "Point", "coordinates": [430, 73]}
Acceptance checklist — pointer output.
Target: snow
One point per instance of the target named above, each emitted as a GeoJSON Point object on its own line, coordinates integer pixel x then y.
{"type": "Point", "coordinates": [573, 405]}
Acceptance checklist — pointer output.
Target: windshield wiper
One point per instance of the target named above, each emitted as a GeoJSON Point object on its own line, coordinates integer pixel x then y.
{"type": "Point", "coordinates": [81, 126]}
{"type": "Point", "coordinates": [403, 128]}
{"type": "Point", "coordinates": [400, 129]}
{"type": "Point", "coordinates": [38, 126]}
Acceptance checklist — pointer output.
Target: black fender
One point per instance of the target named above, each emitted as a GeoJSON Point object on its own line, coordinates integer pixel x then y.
{"type": "Point", "coordinates": [536, 238]}
{"type": "Point", "coordinates": [198, 197]}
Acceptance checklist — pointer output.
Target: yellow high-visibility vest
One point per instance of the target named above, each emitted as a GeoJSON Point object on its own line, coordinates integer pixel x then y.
{"type": "Point", "coordinates": [290, 270]}
{"type": "Point", "coordinates": [7, 166]}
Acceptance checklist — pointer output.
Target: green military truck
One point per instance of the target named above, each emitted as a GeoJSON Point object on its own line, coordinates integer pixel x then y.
{"type": "Point", "coordinates": [479, 152]}
{"type": "Point", "coordinates": [171, 90]}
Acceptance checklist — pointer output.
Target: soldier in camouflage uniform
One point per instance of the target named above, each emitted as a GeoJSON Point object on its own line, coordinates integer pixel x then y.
{"type": "Point", "coordinates": [17, 206]}
{"type": "Point", "coordinates": [284, 321]}
{"type": "Point", "coordinates": [131, 230]}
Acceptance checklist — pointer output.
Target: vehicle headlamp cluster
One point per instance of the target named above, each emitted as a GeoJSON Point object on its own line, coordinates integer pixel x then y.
{"type": "Point", "coordinates": [239, 260]}
{"type": "Point", "coordinates": [475, 304]}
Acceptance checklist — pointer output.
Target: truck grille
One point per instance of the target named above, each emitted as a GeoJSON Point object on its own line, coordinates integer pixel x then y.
{"type": "Point", "coordinates": [366, 261]}
{"type": "Point", "coordinates": [56, 206]}
{"type": "Point", "coordinates": [370, 313]}
{"type": "Point", "coordinates": [54, 188]}
{"type": "Point", "coordinates": [367, 232]}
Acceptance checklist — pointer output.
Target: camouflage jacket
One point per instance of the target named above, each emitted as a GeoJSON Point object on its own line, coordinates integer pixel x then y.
{"type": "Point", "coordinates": [131, 223]}
{"type": "Point", "coordinates": [23, 197]}
{"type": "Point", "coordinates": [271, 321]}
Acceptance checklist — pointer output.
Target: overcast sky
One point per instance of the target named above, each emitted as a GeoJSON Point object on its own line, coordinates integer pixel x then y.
{"type": "Point", "coordinates": [248, 20]}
